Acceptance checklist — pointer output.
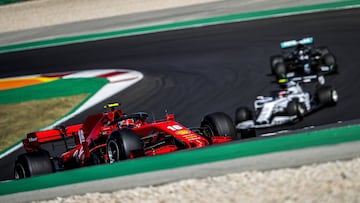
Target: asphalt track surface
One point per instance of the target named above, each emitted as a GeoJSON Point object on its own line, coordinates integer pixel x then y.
{"type": "Point", "coordinates": [197, 71]}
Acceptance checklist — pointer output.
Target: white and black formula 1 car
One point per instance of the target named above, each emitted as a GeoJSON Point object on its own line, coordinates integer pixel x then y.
{"type": "Point", "coordinates": [303, 62]}
{"type": "Point", "coordinates": [286, 106]}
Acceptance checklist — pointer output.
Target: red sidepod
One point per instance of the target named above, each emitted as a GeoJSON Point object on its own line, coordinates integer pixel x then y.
{"type": "Point", "coordinates": [173, 128]}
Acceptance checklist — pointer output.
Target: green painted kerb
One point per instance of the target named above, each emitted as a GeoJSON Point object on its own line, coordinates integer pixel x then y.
{"type": "Point", "coordinates": [186, 158]}
{"type": "Point", "coordinates": [180, 25]}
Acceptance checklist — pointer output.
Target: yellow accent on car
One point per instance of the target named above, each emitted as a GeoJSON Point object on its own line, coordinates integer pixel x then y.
{"type": "Point", "coordinates": [183, 132]}
{"type": "Point", "coordinates": [282, 81]}
{"type": "Point", "coordinates": [111, 105]}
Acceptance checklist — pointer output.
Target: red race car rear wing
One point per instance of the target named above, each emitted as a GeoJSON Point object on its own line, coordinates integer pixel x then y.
{"type": "Point", "coordinates": [34, 139]}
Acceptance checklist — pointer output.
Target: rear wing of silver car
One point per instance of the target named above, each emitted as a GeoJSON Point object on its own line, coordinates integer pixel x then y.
{"type": "Point", "coordinates": [304, 79]}
{"type": "Point", "coordinates": [293, 43]}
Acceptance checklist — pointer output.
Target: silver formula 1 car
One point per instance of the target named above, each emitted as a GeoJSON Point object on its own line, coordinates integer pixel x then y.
{"type": "Point", "coordinates": [285, 106]}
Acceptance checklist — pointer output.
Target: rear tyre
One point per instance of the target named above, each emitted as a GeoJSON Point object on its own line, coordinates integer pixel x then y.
{"type": "Point", "coordinates": [121, 143]}
{"type": "Point", "coordinates": [291, 108]}
{"type": "Point", "coordinates": [275, 60]}
{"type": "Point", "coordinates": [326, 96]}
{"type": "Point", "coordinates": [218, 123]}
{"type": "Point", "coordinates": [33, 164]}
{"type": "Point", "coordinates": [244, 114]}
{"type": "Point", "coordinates": [301, 111]}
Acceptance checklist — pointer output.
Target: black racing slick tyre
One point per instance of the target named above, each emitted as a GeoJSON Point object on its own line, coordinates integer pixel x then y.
{"type": "Point", "coordinates": [121, 143]}
{"type": "Point", "coordinates": [329, 60]}
{"type": "Point", "coordinates": [280, 70]}
{"type": "Point", "coordinates": [291, 108]}
{"type": "Point", "coordinates": [242, 114]}
{"type": "Point", "coordinates": [301, 111]}
{"type": "Point", "coordinates": [327, 96]}
{"type": "Point", "coordinates": [218, 123]}
{"type": "Point", "coordinates": [275, 60]}
{"type": "Point", "coordinates": [294, 108]}
{"type": "Point", "coordinates": [33, 164]}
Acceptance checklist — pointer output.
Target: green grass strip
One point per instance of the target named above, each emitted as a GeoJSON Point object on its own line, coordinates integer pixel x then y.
{"type": "Point", "coordinates": [180, 25]}
{"type": "Point", "coordinates": [57, 88]}
{"type": "Point", "coordinates": [186, 158]}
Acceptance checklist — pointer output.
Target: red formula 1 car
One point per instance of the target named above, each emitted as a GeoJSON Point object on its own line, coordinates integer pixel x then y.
{"type": "Point", "coordinates": [113, 136]}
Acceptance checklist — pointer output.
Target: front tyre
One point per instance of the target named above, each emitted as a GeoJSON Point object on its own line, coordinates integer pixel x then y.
{"type": "Point", "coordinates": [280, 71]}
{"type": "Point", "coordinates": [330, 61]}
{"type": "Point", "coordinates": [121, 143]}
{"type": "Point", "coordinates": [291, 108]}
{"type": "Point", "coordinates": [242, 114]}
{"type": "Point", "coordinates": [33, 164]}
{"type": "Point", "coordinates": [218, 124]}
{"type": "Point", "coordinates": [274, 60]}
{"type": "Point", "coordinates": [294, 108]}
